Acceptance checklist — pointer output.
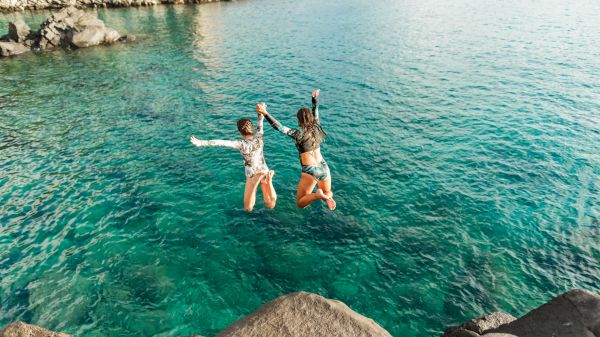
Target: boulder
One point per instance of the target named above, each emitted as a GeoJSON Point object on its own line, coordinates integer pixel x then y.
{"type": "Point", "coordinates": [479, 325]}
{"type": "Point", "coordinates": [72, 27]}
{"type": "Point", "coordinates": [12, 48]}
{"type": "Point", "coordinates": [488, 322]}
{"type": "Point", "coordinates": [20, 329]}
{"type": "Point", "coordinates": [111, 36]}
{"type": "Point", "coordinates": [573, 314]}
{"type": "Point", "coordinates": [304, 315]}
{"type": "Point", "coordinates": [90, 36]}
{"type": "Point", "coordinates": [18, 31]}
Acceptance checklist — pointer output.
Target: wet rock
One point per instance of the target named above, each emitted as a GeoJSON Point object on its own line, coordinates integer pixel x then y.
{"type": "Point", "coordinates": [573, 314]}
{"type": "Point", "coordinates": [491, 321]}
{"type": "Point", "coordinates": [18, 31]}
{"type": "Point", "coordinates": [90, 36]}
{"type": "Point", "coordinates": [304, 314]}
{"type": "Point", "coordinates": [479, 325]}
{"type": "Point", "coordinates": [20, 329]}
{"type": "Point", "coordinates": [72, 27]}
{"type": "Point", "coordinates": [12, 48]}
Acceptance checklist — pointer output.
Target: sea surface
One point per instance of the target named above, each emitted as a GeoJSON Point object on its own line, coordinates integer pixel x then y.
{"type": "Point", "coordinates": [464, 145]}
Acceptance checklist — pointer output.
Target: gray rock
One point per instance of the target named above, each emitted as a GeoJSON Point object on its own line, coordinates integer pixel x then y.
{"type": "Point", "coordinates": [488, 322]}
{"type": "Point", "coordinates": [72, 27]}
{"type": "Point", "coordinates": [18, 31]}
{"type": "Point", "coordinates": [573, 314]}
{"type": "Point", "coordinates": [90, 36]}
{"type": "Point", "coordinates": [479, 325]}
{"type": "Point", "coordinates": [12, 48]}
{"type": "Point", "coordinates": [20, 329]}
{"type": "Point", "coordinates": [111, 36]}
{"type": "Point", "coordinates": [304, 315]}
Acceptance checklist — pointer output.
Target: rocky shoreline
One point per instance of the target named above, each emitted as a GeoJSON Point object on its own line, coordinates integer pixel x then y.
{"type": "Point", "coordinates": [21, 5]}
{"type": "Point", "coordinates": [68, 28]}
{"type": "Point", "coordinates": [573, 314]}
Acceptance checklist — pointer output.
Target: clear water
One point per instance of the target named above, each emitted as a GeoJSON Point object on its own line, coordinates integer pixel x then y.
{"type": "Point", "coordinates": [464, 145]}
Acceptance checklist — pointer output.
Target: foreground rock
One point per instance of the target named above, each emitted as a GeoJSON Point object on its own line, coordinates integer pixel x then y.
{"type": "Point", "coordinates": [19, 5]}
{"type": "Point", "coordinates": [68, 28]}
{"type": "Point", "coordinates": [573, 314]}
{"type": "Point", "coordinates": [304, 315]}
{"type": "Point", "coordinates": [20, 329]}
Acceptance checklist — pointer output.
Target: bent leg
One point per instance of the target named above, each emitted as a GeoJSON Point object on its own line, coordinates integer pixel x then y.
{"type": "Point", "coordinates": [268, 191]}
{"type": "Point", "coordinates": [304, 196]}
{"type": "Point", "coordinates": [250, 191]}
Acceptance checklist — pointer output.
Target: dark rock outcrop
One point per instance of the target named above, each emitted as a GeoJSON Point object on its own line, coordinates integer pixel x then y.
{"type": "Point", "coordinates": [304, 315]}
{"type": "Point", "coordinates": [20, 329]}
{"type": "Point", "coordinates": [18, 31]}
{"type": "Point", "coordinates": [575, 313]}
{"type": "Point", "coordinates": [67, 28]}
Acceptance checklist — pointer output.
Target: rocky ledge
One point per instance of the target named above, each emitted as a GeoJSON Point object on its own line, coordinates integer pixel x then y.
{"type": "Point", "coordinates": [19, 5]}
{"type": "Point", "coordinates": [573, 314]}
{"type": "Point", "coordinates": [67, 28]}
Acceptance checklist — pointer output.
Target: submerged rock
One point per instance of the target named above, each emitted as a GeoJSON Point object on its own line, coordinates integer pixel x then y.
{"type": "Point", "coordinates": [304, 315]}
{"type": "Point", "coordinates": [20, 329]}
{"type": "Point", "coordinates": [573, 314]}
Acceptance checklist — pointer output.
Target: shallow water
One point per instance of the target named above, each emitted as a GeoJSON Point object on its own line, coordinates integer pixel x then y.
{"type": "Point", "coordinates": [464, 143]}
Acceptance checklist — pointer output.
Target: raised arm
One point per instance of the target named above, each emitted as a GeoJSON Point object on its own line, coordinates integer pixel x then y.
{"type": "Point", "coordinates": [262, 110]}
{"type": "Point", "coordinates": [259, 125]}
{"type": "Point", "coordinates": [315, 103]}
{"type": "Point", "coordinates": [234, 144]}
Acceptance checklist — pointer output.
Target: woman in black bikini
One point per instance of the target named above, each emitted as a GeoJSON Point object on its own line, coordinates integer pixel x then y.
{"type": "Point", "coordinates": [308, 140]}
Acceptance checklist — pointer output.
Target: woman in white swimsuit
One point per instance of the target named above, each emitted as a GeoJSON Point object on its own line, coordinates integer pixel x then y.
{"type": "Point", "coordinates": [251, 148]}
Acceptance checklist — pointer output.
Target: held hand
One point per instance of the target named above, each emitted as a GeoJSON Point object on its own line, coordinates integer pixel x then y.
{"type": "Point", "coordinates": [195, 141]}
{"type": "Point", "coordinates": [315, 93]}
{"type": "Point", "coordinates": [261, 108]}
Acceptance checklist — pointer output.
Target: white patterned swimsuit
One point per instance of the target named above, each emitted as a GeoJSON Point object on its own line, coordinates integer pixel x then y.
{"type": "Point", "coordinates": [251, 150]}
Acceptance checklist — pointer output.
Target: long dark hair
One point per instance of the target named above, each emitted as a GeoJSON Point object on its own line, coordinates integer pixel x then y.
{"type": "Point", "coordinates": [312, 132]}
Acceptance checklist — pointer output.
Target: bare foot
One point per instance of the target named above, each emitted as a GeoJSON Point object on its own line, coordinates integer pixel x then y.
{"type": "Point", "coordinates": [329, 200]}
{"type": "Point", "coordinates": [330, 203]}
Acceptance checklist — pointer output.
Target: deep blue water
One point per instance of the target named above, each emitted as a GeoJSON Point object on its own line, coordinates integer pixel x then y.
{"type": "Point", "coordinates": [464, 144]}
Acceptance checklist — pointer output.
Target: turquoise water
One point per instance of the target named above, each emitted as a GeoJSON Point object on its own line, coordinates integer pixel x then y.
{"type": "Point", "coordinates": [464, 143]}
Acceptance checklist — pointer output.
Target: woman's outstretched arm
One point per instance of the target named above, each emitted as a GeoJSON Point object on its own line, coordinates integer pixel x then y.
{"type": "Point", "coordinates": [234, 144]}
{"type": "Point", "coordinates": [262, 110]}
{"type": "Point", "coordinates": [315, 103]}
